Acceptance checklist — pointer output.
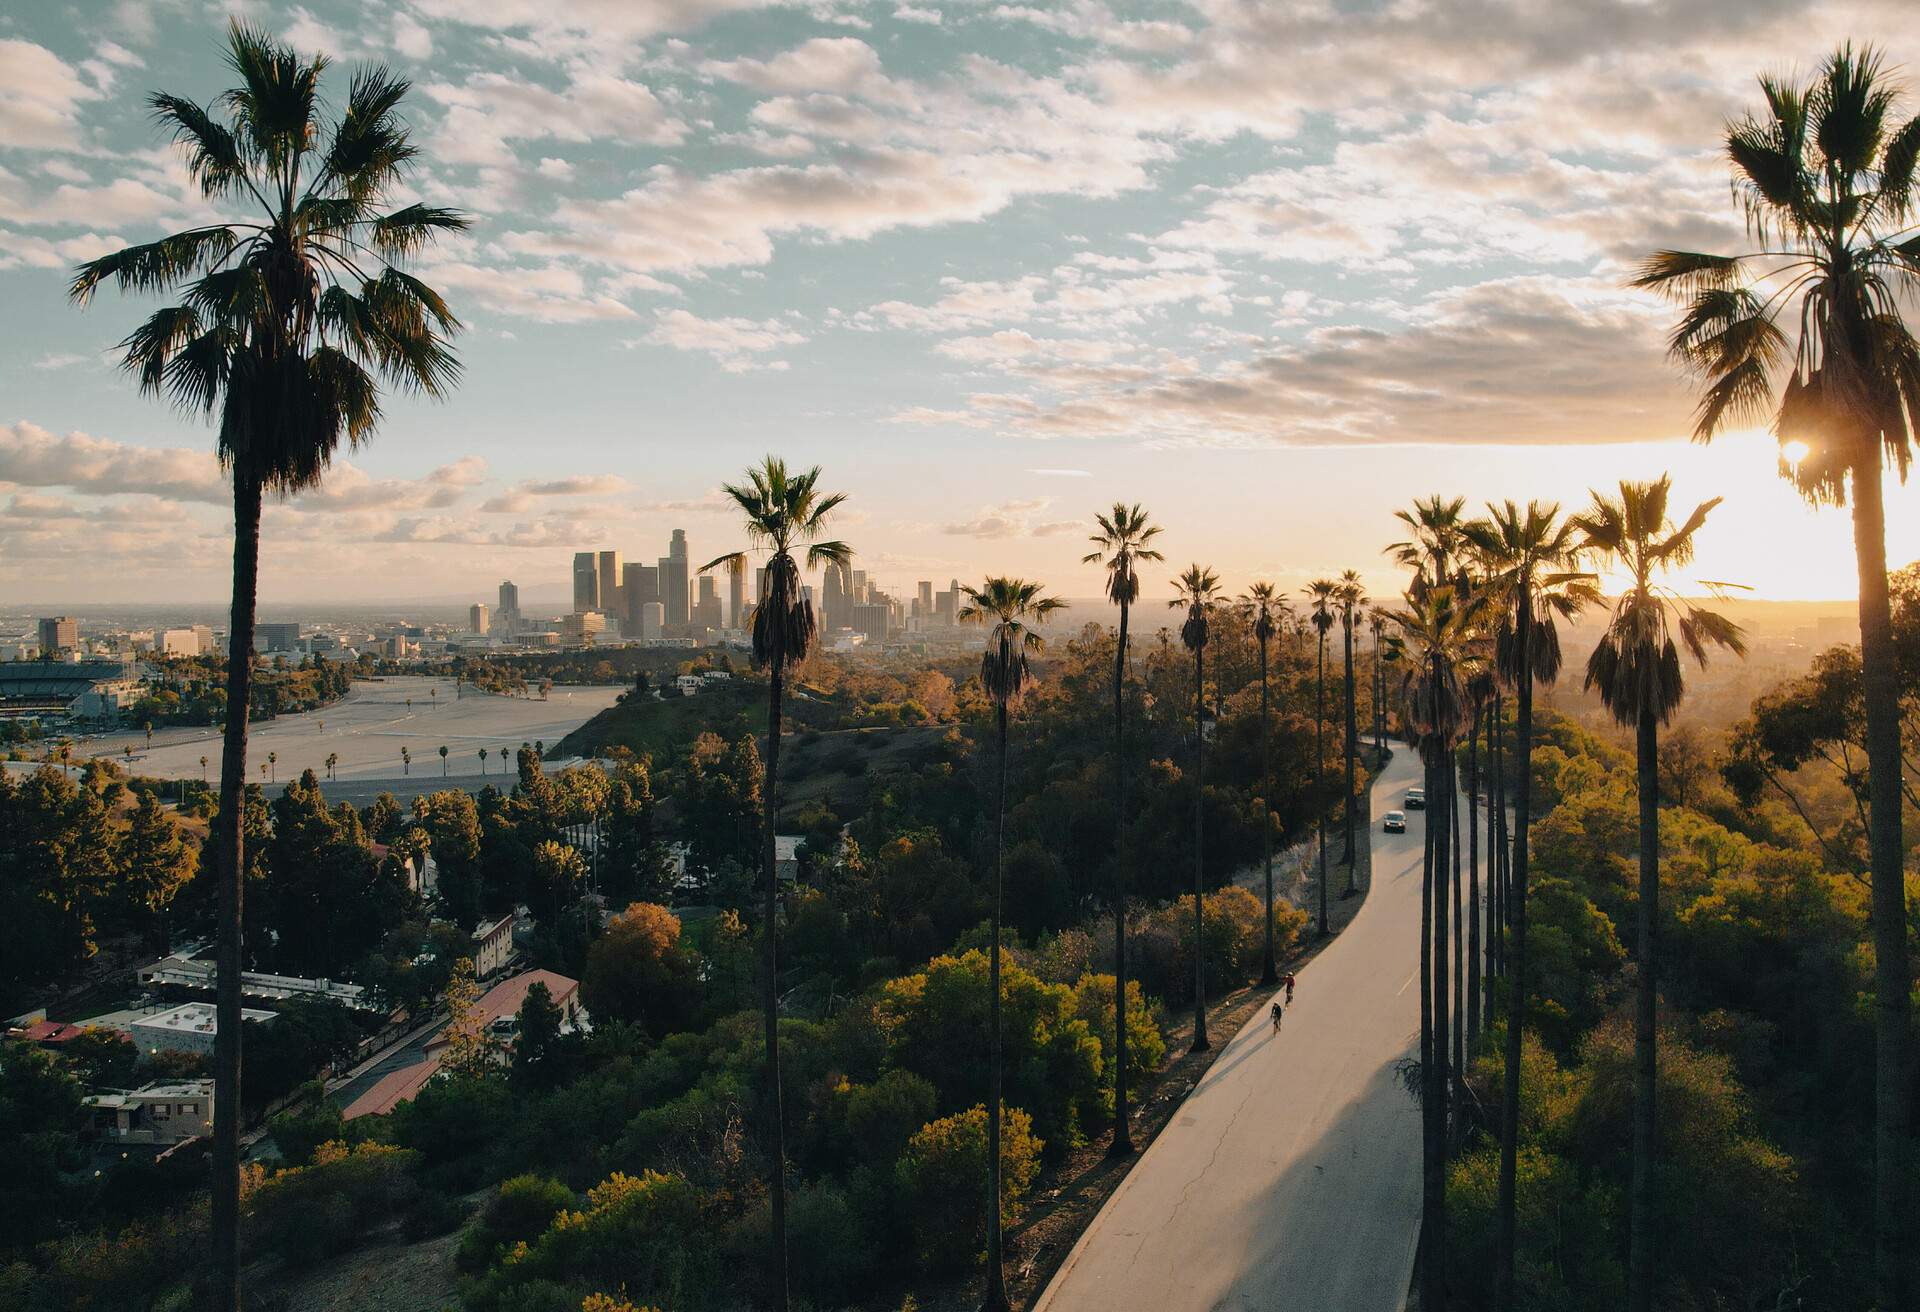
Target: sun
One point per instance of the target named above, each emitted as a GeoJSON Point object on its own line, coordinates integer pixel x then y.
{"type": "Point", "coordinates": [1794, 452]}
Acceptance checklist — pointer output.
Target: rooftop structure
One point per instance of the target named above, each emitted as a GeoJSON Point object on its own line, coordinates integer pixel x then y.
{"type": "Point", "coordinates": [190, 1027]}
{"type": "Point", "coordinates": [154, 1113]}
{"type": "Point", "coordinates": [185, 971]}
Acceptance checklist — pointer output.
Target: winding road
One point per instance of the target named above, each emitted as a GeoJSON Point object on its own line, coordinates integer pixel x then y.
{"type": "Point", "coordinates": [1290, 1178]}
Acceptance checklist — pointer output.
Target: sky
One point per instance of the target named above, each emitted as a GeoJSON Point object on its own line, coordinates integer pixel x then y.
{"type": "Point", "coordinates": [1272, 270]}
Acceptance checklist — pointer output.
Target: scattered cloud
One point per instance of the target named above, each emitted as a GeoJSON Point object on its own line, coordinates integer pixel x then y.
{"type": "Point", "coordinates": [735, 343]}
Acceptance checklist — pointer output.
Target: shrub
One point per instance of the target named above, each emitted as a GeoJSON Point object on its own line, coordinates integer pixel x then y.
{"type": "Point", "coordinates": [1146, 1046]}
{"type": "Point", "coordinates": [312, 1212]}
{"type": "Point", "coordinates": [298, 1132]}
{"type": "Point", "coordinates": [433, 1214]}
{"type": "Point", "coordinates": [519, 1212]}
{"type": "Point", "coordinates": [1233, 940]}
{"type": "Point", "coordinates": [884, 1115]}
{"type": "Point", "coordinates": [940, 1176]}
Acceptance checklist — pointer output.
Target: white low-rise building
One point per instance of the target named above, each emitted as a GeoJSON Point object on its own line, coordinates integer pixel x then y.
{"type": "Point", "coordinates": [493, 946]}
{"type": "Point", "coordinates": [190, 1027]}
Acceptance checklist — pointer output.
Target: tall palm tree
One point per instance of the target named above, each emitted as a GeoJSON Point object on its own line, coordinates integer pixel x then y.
{"type": "Point", "coordinates": [1434, 534]}
{"type": "Point", "coordinates": [1197, 590]}
{"type": "Point", "coordinates": [1637, 672]}
{"type": "Point", "coordinates": [784, 513]}
{"type": "Point", "coordinates": [1352, 596]}
{"type": "Point", "coordinates": [443, 760]}
{"type": "Point", "coordinates": [1807, 328]}
{"type": "Point", "coordinates": [1013, 607]}
{"type": "Point", "coordinates": [1124, 541]}
{"type": "Point", "coordinates": [1261, 604]}
{"type": "Point", "coordinates": [1324, 594]}
{"type": "Point", "coordinates": [1436, 628]}
{"type": "Point", "coordinates": [1377, 624]}
{"type": "Point", "coordinates": [288, 322]}
{"type": "Point", "coordinates": [1530, 557]}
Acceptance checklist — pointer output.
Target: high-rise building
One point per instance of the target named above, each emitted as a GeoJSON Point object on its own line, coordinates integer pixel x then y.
{"type": "Point", "coordinates": [61, 633]}
{"type": "Point", "coordinates": [834, 601]}
{"type": "Point", "coordinates": [857, 588]}
{"type": "Point", "coordinates": [610, 602]}
{"type": "Point", "coordinates": [707, 614]}
{"type": "Point", "coordinates": [586, 582]}
{"type": "Point", "coordinates": [871, 618]}
{"type": "Point", "coordinates": [652, 617]}
{"type": "Point", "coordinates": [639, 584]}
{"type": "Point", "coordinates": [276, 635]}
{"type": "Point", "coordinates": [926, 599]}
{"type": "Point", "coordinates": [509, 600]}
{"type": "Point", "coordinates": [737, 596]}
{"type": "Point", "coordinates": [673, 579]}
{"type": "Point", "coordinates": [946, 607]}
{"type": "Point", "coordinates": [477, 617]}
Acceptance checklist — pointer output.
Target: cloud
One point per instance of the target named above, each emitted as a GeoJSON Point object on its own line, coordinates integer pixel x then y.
{"type": "Point", "coordinates": [734, 343]}
{"type": "Point", "coordinates": [1011, 519]}
{"type": "Point", "coordinates": [918, 14]}
{"type": "Point", "coordinates": [1061, 473]}
{"type": "Point", "coordinates": [522, 497]}
{"type": "Point", "coordinates": [40, 98]}
{"type": "Point", "coordinates": [59, 360]}
{"type": "Point", "coordinates": [547, 293]}
{"type": "Point", "coordinates": [486, 111]}
{"type": "Point", "coordinates": [33, 457]}
{"type": "Point", "coordinates": [845, 65]}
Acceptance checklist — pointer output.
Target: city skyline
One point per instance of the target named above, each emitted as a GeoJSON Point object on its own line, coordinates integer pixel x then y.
{"type": "Point", "coordinates": [1139, 281]}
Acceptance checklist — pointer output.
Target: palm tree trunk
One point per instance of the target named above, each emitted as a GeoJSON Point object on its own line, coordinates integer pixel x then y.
{"type": "Point", "coordinates": [1320, 769]}
{"type": "Point", "coordinates": [1459, 955]}
{"type": "Point", "coordinates": [1200, 1043]}
{"type": "Point", "coordinates": [996, 1300]}
{"type": "Point", "coordinates": [1427, 1062]}
{"type": "Point", "coordinates": [1352, 745]}
{"type": "Point", "coordinates": [1640, 1190]}
{"type": "Point", "coordinates": [1474, 908]}
{"type": "Point", "coordinates": [1434, 1074]}
{"type": "Point", "coordinates": [1892, 976]}
{"type": "Point", "coordinates": [1496, 821]}
{"type": "Point", "coordinates": [776, 1114]}
{"type": "Point", "coordinates": [1517, 986]}
{"type": "Point", "coordinates": [229, 953]}
{"type": "Point", "coordinates": [1122, 1144]}
{"type": "Point", "coordinates": [1269, 974]}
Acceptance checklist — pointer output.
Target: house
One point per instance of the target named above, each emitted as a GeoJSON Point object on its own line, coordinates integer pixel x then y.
{"type": "Point", "coordinates": [689, 685]}
{"type": "Point", "coordinates": [46, 1033]}
{"type": "Point", "coordinates": [418, 871]}
{"type": "Point", "coordinates": [187, 1028]}
{"type": "Point", "coordinates": [493, 946]}
{"type": "Point", "coordinates": [154, 1113]}
{"type": "Point", "coordinates": [786, 856]}
{"type": "Point", "coordinates": [717, 676]}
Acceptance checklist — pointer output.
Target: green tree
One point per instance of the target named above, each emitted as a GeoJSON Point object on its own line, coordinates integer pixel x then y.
{"type": "Point", "coordinates": [638, 971]}
{"type": "Point", "coordinates": [1013, 607]}
{"type": "Point", "coordinates": [156, 862]}
{"type": "Point", "coordinates": [1124, 542]}
{"type": "Point", "coordinates": [1637, 672]}
{"type": "Point", "coordinates": [536, 1037]}
{"type": "Point", "coordinates": [947, 1217]}
{"type": "Point", "coordinates": [1197, 591]}
{"type": "Point", "coordinates": [1826, 178]}
{"type": "Point", "coordinates": [285, 333]}
{"type": "Point", "coordinates": [784, 512]}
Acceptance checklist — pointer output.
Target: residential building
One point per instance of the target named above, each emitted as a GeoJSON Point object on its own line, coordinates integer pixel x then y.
{"type": "Point", "coordinates": [689, 685]}
{"type": "Point", "coordinates": [493, 946]}
{"type": "Point", "coordinates": [189, 1027]}
{"type": "Point", "coordinates": [154, 1113]}
{"type": "Point", "coordinates": [477, 618]}
{"type": "Point", "coordinates": [58, 634]}
{"type": "Point", "coordinates": [586, 582]}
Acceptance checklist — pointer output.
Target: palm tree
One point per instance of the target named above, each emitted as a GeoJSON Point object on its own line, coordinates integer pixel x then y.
{"type": "Point", "coordinates": [333, 759]}
{"type": "Point", "coordinates": [1125, 540]}
{"type": "Point", "coordinates": [287, 323]}
{"type": "Point", "coordinates": [1351, 596]}
{"type": "Point", "coordinates": [1637, 672]}
{"type": "Point", "coordinates": [1261, 604]}
{"type": "Point", "coordinates": [1436, 629]}
{"type": "Point", "coordinates": [1198, 591]}
{"type": "Point", "coordinates": [483, 762]}
{"type": "Point", "coordinates": [1324, 594]}
{"type": "Point", "coordinates": [1828, 185]}
{"type": "Point", "coordinates": [406, 761]}
{"type": "Point", "coordinates": [1013, 607]}
{"type": "Point", "coordinates": [1434, 535]}
{"type": "Point", "coordinates": [784, 512]}
{"type": "Point", "coordinates": [273, 759]}
{"type": "Point", "coordinates": [1377, 623]}
{"type": "Point", "coordinates": [203, 771]}
{"type": "Point", "coordinates": [1529, 556]}
{"type": "Point", "coordinates": [443, 760]}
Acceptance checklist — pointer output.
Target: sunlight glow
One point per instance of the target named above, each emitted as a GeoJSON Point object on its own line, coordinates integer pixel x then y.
{"type": "Point", "coordinates": [1794, 452]}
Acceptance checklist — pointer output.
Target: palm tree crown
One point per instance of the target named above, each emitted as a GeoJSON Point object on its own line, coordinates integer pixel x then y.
{"type": "Point", "coordinates": [1264, 609]}
{"type": "Point", "coordinates": [1434, 527]}
{"type": "Point", "coordinates": [1827, 182]}
{"type": "Point", "coordinates": [1536, 552]}
{"type": "Point", "coordinates": [287, 317]}
{"type": "Point", "coordinates": [1637, 661]}
{"type": "Point", "coordinates": [1013, 607]}
{"type": "Point", "coordinates": [1122, 543]}
{"type": "Point", "coordinates": [784, 512]}
{"type": "Point", "coordinates": [1197, 591]}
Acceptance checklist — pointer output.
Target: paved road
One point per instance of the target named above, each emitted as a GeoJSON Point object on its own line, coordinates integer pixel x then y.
{"type": "Point", "coordinates": [1290, 1179]}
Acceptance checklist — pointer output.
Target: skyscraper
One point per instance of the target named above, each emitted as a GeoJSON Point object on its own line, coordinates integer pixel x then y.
{"type": "Point", "coordinates": [673, 579]}
{"type": "Point", "coordinates": [834, 601]}
{"type": "Point", "coordinates": [707, 614]}
{"type": "Point", "coordinates": [639, 585]}
{"type": "Point", "coordinates": [926, 600]}
{"type": "Point", "coordinates": [477, 617]}
{"type": "Point", "coordinates": [586, 582]}
{"type": "Point", "coordinates": [509, 607]}
{"type": "Point", "coordinates": [737, 596]}
{"type": "Point", "coordinates": [610, 603]}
